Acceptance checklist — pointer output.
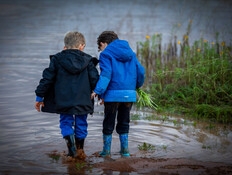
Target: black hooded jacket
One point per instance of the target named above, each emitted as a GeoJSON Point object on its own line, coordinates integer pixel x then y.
{"type": "Point", "coordinates": [67, 83]}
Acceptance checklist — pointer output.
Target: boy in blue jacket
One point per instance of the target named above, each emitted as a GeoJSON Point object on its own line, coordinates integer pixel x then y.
{"type": "Point", "coordinates": [66, 87]}
{"type": "Point", "coordinates": [121, 73]}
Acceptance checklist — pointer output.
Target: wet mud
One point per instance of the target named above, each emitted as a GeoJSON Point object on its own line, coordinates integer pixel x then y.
{"type": "Point", "coordinates": [142, 165]}
{"type": "Point", "coordinates": [153, 166]}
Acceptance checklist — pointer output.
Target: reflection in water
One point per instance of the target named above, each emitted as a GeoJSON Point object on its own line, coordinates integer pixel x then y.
{"type": "Point", "coordinates": [173, 139]}
{"type": "Point", "coordinates": [27, 139]}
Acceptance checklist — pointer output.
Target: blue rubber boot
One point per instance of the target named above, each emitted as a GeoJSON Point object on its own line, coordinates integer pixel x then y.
{"type": "Point", "coordinates": [106, 145]}
{"type": "Point", "coordinates": [124, 145]}
{"type": "Point", "coordinates": [70, 141]}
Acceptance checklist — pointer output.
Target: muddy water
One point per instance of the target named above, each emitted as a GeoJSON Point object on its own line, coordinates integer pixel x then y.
{"type": "Point", "coordinates": [32, 31]}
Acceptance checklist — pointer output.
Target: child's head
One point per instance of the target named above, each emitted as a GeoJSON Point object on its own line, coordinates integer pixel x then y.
{"type": "Point", "coordinates": [106, 37]}
{"type": "Point", "coordinates": [74, 40]}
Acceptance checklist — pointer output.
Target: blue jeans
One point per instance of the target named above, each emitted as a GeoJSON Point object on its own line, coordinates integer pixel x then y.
{"type": "Point", "coordinates": [74, 124]}
{"type": "Point", "coordinates": [122, 111]}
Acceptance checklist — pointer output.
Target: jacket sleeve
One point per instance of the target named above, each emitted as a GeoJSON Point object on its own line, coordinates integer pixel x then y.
{"type": "Point", "coordinates": [93, 73]}
{"type": "Point", "coordinates": [48, 79]}
{"type": "Point", "coordinates": [105, 75]}
{"type": "Point", "coordinates": [140, 74]}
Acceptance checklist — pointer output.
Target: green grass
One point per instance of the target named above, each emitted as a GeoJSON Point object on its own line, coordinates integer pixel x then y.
{"type": "Point", "coordinates": [146, 147]}
{"type": "Point", "coordinates": [80, 165]}
{"type": "Point", "coordinates": [190, 80]}
{"type": "Point", "coordinates": [135, 117]}
{"type": "Point", "coordinates": [54, 155]}
{"type": "Point", "coordinates": [145, 99]}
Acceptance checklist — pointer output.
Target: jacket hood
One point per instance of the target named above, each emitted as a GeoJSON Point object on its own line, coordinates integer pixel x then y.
{"type": "Point", "coordinates": [120, 50]}
{"type": "Point", "coordinates": [73, 60]}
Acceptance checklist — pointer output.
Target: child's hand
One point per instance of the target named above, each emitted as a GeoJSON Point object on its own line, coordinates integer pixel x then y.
{"type": "Point", "coordinates": [93, 95]}
{"type": "Point", "coordinates": [102, 101]}
{"type": "Point", "coordinates": [38, 105]}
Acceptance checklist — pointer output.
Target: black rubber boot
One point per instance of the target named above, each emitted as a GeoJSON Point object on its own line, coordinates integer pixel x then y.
{"type": "Point", "coordinates": [80, 148]}
{"type": "Point", "coordinates": [71, 145]}
{"type": "Point", "coordinates": [79, 143]}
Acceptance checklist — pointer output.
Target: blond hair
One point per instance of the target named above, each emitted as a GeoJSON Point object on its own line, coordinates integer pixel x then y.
{"type": "Point", "coordinates": [74, 40]}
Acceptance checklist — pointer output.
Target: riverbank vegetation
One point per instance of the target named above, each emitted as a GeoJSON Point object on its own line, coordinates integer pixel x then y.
{"type": "Point", "coordinates": [193, 80]}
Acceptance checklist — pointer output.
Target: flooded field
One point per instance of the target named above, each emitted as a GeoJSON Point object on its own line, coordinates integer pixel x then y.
{"type": "Point", "coordinates": [30, 32]}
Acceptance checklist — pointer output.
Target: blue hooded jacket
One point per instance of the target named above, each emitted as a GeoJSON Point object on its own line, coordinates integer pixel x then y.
{"type": "Point", "coordinates": [121, 73]}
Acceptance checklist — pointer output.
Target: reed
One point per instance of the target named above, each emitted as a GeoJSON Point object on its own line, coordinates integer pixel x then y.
{"type": "Point", "coordinates": [192, 80]}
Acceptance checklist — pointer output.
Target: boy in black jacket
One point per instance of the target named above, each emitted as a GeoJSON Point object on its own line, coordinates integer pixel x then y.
{"type": "Point", "coordinates": [65, 88]}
